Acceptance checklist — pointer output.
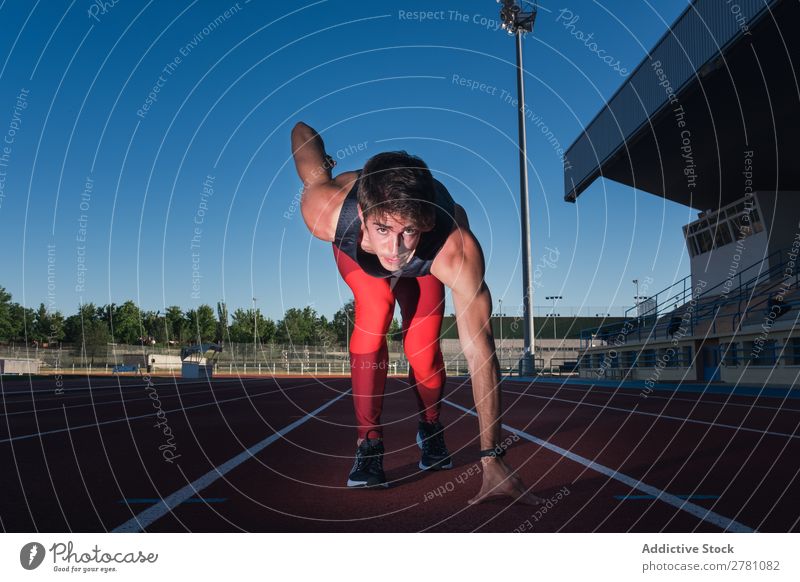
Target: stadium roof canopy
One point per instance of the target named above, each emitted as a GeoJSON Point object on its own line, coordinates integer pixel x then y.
{"type": "Point", "coordinates": [722, 81]}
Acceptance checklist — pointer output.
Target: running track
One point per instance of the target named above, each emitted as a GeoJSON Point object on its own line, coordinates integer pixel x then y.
{"type": "Point", "coordinates": [272, 455]}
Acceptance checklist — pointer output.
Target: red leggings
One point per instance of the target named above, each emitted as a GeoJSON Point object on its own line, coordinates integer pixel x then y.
{"type": "Point", "coordinates": [421, 302]}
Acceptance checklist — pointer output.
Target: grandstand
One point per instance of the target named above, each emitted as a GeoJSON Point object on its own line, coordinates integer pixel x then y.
{"type": "Point", "coordinates": [708, 120]}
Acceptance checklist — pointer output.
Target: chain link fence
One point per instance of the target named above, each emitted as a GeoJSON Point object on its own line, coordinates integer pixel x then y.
{"type": "Point", "coordinates": [235, 359]}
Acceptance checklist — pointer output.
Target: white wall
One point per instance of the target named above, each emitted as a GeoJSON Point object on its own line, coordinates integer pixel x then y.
{"type": "Point", "coordinates": [716, 266]}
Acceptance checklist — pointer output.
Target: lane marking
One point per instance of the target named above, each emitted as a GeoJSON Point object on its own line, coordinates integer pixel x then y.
{"type": "Point", "coordinates": [638, 497]}
{"type": "Point", "coordinates": [96, 403]}
{"type": "Point", "coordinates": [740, 391]}
{"type": "Point", "coordinates": [164, 506]}
{"type": "Point", "coordinates": [125, 401]}
{"type": "Point", "coordinates": [657, 415]}
{"type": "Point", "coordinates": [148, 415]}
{"type": "Point", "coordinates": [149, 500]}
{"type": "Point", "coordinates": [724, 523]}
{"type": "Point", "coordinates": [628, 394]}
{"type": "Point", "coordinates": [177, 382]}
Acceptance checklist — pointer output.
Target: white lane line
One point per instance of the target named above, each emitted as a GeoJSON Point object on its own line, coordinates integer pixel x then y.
{"type": "Point", "coordinates": [627, 393]}
{"type": "Point", "coordinates": [658, 415]}
{"type": "Point", "coordinates": [119, 402]}
{"type": "Point", "coordinates": [724, 523]}
{"type": "Point", "coordinates": [166, 505]}
{"type": "Point", "coordinates": [170, 382]}
{"type": "Point", "coordinates": [96, 404]}
{"type": "Point", "coordinates": [701, 390]}
{"type": "Point", "coordinates": [148, 415]}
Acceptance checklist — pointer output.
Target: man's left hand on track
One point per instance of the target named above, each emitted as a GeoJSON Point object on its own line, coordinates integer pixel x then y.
{"type": "Point", "coordinates": [500, 481]}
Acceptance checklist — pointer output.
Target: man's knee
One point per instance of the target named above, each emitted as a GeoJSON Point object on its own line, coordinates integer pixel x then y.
{"type": "Point", "coordinates": [371, 324]}
{"type": "Point", "coordinates": [374, 317]}
{"type": "Point", "coordinates": [428, 366]}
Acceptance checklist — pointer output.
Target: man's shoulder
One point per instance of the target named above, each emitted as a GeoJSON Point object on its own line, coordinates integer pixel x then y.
{"type": "Point", "coordinates": [460, 253]}
{"type": "Point", "coordinates": [338, 186]}
{"type": "Point", "coordinates": [322, 203]}
{"type": "Point", "coordinates": [346, 179]}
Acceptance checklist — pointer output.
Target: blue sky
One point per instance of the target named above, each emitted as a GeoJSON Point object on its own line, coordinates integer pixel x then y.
{"type": "Point", "coordinates": [178, 114]}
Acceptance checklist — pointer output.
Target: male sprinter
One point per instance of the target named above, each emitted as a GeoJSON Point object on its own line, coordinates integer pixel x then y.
{"type": "Point", "coordinates": [398, 236]}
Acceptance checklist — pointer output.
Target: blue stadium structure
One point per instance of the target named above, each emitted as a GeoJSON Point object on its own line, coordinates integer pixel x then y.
{"type": "Point", "coordinates": [709, 120]}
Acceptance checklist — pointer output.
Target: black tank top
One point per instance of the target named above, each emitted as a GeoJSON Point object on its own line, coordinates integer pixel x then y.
{"type": "Point", "coordinates": [348, 231]}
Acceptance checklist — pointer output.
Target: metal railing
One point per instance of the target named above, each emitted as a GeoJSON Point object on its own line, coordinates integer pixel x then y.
{"type": "Point", "coordinates": [708, 304]}
{"type": "Point", "coordinates": [69, 362]}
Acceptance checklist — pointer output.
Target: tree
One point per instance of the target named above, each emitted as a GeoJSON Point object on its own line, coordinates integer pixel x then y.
{"type": "Point", "coordinates": [41, 324]}
{"type": "Point", "coordinates": [266, 329]}
{"type": "Point", "coordinates": [104, 313]}
{"type": "Point", "coordinates": [73, 327]}
{"type": "Point", "coordinates": [175, 324]}
{"type": "Point", "coordinates": [222, 321]}
{"type": "Point", "coordinates": [47, 327]}
{"type": "Point", "coordinates": [154, 326]}
{"type": "Point", "coordinates": [202, 324]}
{"type": "Point", "coordinates": [6, 325]}
{"type": "Point", "coordinates": [343, 321]}
{"type": "Point", "coordinates": [241, 328]}
{"type": "Point", "coordinates": [56, 327]}
{"type": "Point", "coordinates": [297, 326]}
{"type": "Point", "coordinates": [95, 339]}
{"type": "Point", "coordinates": [324, 334]}
{"type": "Point", "coordinates": [126, 322]}
{"type": "Point", "coordinates": [88, 330]}
{"type": "Point", "coordinates": [22, 320]}
{"type": "Point", "coordinates": [395, 332]}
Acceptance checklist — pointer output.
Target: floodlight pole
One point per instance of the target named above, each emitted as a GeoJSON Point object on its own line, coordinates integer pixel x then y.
{"type": "Point", "coordinates": [527, 364]}
{"type": "Point", "coordinates": [518, 23]}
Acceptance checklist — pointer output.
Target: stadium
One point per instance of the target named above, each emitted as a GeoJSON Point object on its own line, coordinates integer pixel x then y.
{"type": "Point", "coordinates": [677, 415]}
{"type": "Point", "coordinates": [707, 122]}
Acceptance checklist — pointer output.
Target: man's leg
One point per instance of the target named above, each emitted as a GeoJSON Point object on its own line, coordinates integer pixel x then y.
{"type": "Point", "coordinates": [374, 306]}
{"type": "Point", "coordinates": [422, 306]}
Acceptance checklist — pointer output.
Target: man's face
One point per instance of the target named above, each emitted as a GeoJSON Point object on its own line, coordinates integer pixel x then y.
{"type": "Point", "coordinates": [393, 238]}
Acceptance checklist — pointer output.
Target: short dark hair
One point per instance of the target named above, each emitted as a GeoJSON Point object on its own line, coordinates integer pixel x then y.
{"type": "Point", "coordinates": [398, 183]}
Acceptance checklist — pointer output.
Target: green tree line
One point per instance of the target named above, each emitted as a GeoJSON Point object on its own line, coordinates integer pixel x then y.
{"type": "Point", "coordinates": [97, 325]}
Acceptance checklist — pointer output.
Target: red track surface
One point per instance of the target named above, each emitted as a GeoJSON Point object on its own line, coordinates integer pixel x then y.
{"type": "Point", "coordinates": [738, 456]}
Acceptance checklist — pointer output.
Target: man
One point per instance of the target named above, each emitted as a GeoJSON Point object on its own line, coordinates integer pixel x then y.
{"type": "Point", "coordinates": [398, 236]}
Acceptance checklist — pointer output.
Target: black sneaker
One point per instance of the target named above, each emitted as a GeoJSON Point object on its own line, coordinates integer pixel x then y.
{"type": "Point", "coordinates": [367, 471]}
{"type": "Point", "coordinates": [430, 438]}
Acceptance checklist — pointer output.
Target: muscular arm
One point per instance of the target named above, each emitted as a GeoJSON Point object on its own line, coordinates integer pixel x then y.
{"type": "Point", "coordinates": [322, 194]}
{"type": "Point", "coordinates": [460, 266]}
{"type": "Point", "coordinates": [463, 271]}
{"type": "Point", "coordinates": [310, 160]}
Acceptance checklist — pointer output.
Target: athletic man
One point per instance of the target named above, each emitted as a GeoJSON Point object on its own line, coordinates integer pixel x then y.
{"type": "Point", "coordinates": [398, 236]}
